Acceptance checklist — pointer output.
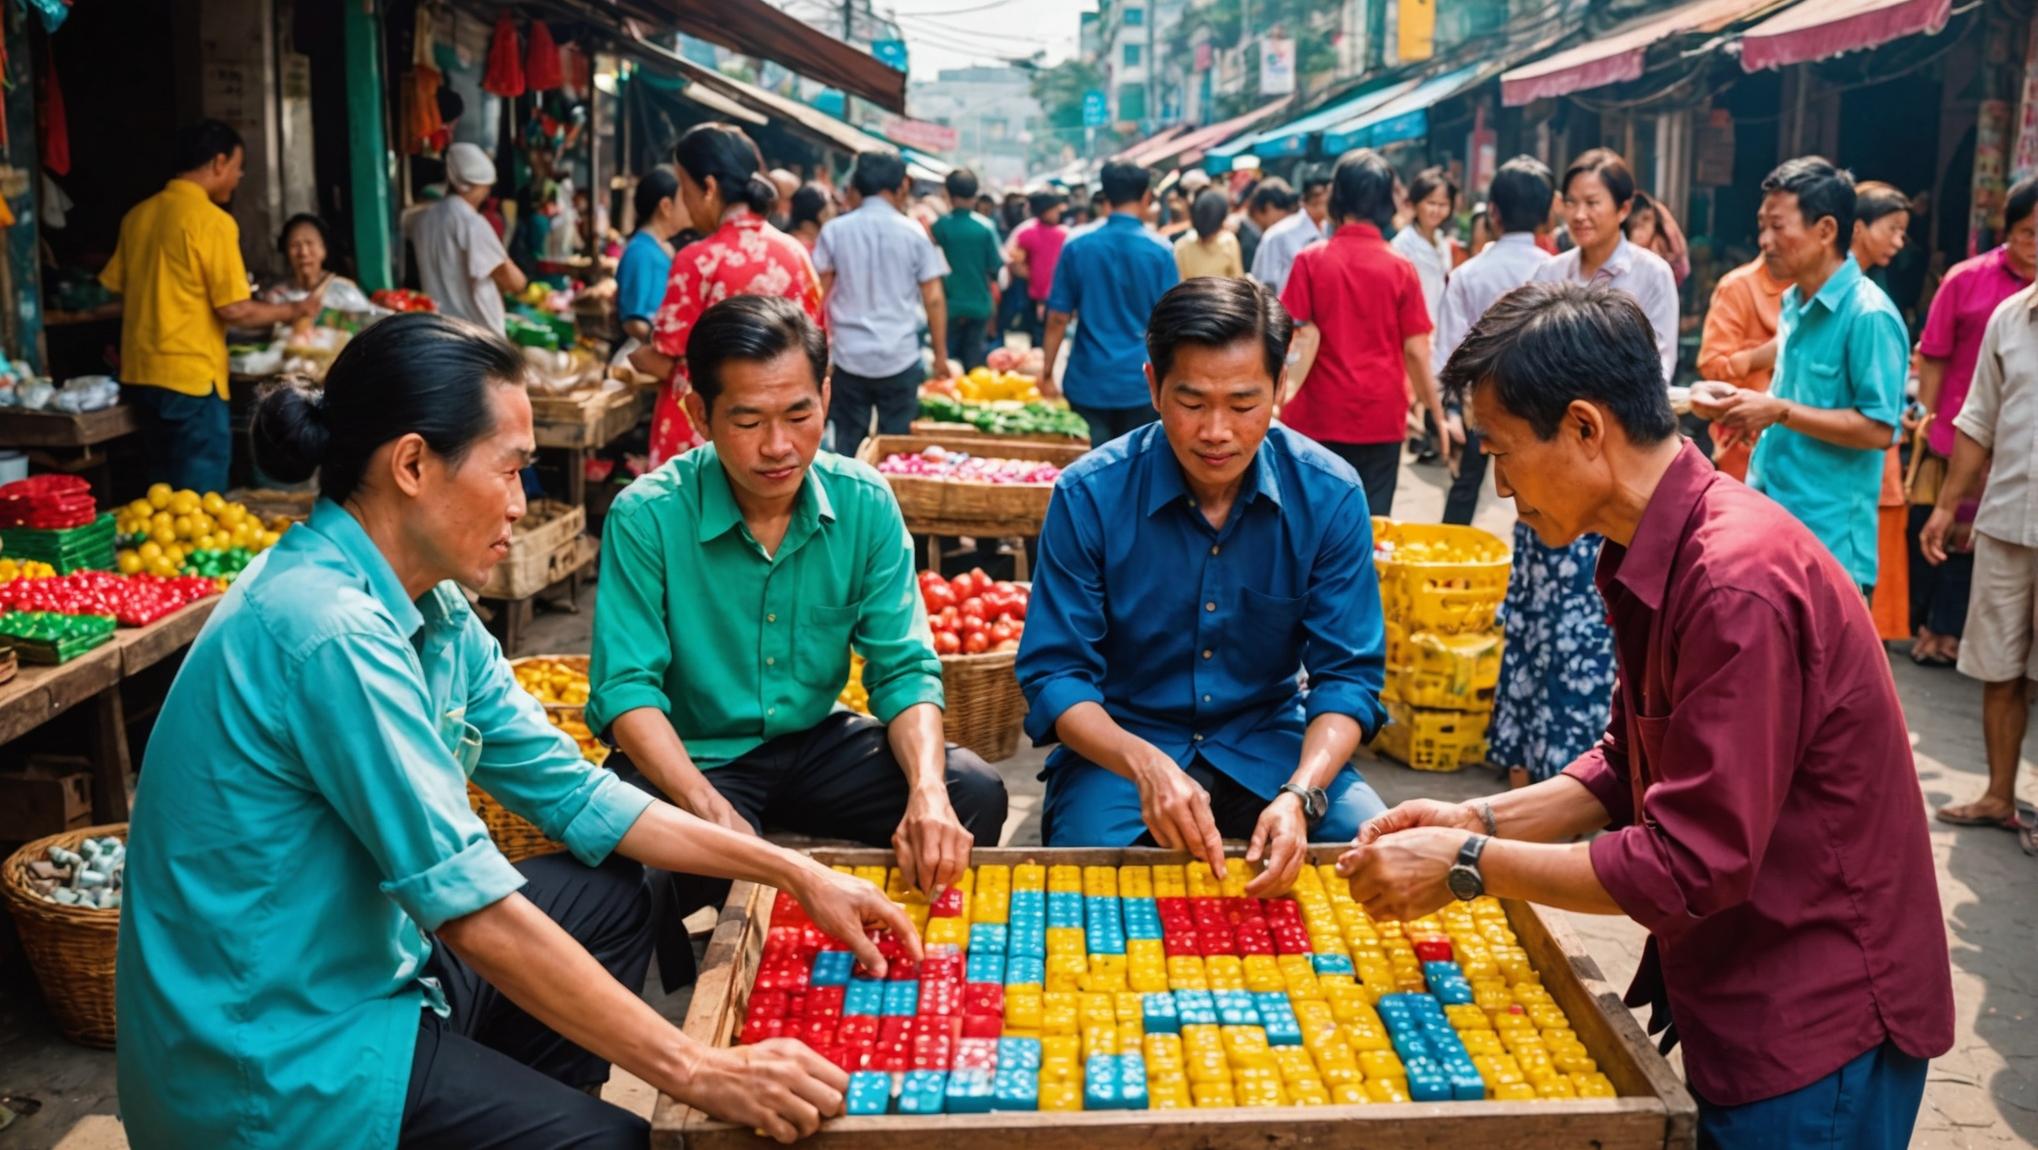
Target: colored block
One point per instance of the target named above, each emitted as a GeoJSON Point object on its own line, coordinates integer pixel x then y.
{"type": "Point", "coordinates": [864, 997]}
{"type": "Point", "coordinates": [984, 966]}
{"type": "Point", "coordinates": [1025, 970]}
{"type": "Point", "coordinates": [1012, 1090]}
{"type": "Point", "coordinates": [1132, 1093]}
{"type": "Point", "coordinates": [901, 998]}
{"type": "Point", "coordinates": [1061, 1096]}
{"type": "Point", "coordinates": [969, 1091]}
{"type": "Point", "coordinates": [870, 1092]}
{"type": "Point", "coordinates": [832, 968]}
{"type": "Point", "coordinates": [1028, 877]}
{"type": "Point", "coordinates": [1100, 1083]}
{"type": "Point", "coordinates": [1331, 963]}
{"type": "Point", "coordinates": [922, 1091]}
{"type": "Point", "coordinates": [1158, 1014]}
{"type": "Point", "coordinates": [987, 936]}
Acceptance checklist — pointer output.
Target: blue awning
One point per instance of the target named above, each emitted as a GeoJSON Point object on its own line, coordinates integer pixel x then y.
{"type": "Point", "coordinates": [1405, 117]}
{"type": "Point", "coordinates": [1292, 138]}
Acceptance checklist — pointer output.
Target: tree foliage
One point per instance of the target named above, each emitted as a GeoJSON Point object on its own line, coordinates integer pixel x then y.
{"type": "Point", "coordinates": [1059, 90]}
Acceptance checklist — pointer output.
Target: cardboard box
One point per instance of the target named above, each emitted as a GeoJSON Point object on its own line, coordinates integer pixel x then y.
{"type": "Point", "coordinates": [45, 797]}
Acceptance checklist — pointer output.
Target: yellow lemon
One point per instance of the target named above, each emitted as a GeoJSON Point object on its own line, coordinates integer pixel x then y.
{"type": "Point", "coordinates": [159, 495]}
{"type": "Point", "coordinates": [184, 502]}
{"type": "Point", "coordinates": [233, 514]}
{"type": "Point", "coordinates": [149, 550]}
{"type": "Point", "coordinates": [130, 562]}
{"type": "Point", "coordinates": [175, 554]}
{"type": "Point", "coordinates": [269, 539]}
{"type": "Point", "coordinates": [162, 519]}
{"type": "Point", "coordinates": [163, 535]}
{"type": "Point", "coordinates": [140, 509]}
{"type": "Point", "coordinates": [213, 502]}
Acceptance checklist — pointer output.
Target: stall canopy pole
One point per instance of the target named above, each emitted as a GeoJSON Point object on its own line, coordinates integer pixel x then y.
{"type": "Point", "coordinates": [367, 151]}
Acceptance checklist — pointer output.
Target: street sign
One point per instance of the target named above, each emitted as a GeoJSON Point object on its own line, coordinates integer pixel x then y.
{"type": "Point", "coordinates": [1277, 66]}
{"type": "Point", "coordinates": [928, 137]}
{"type": "Point", "coordinates": [1096, 111]}
{"type": "Point", "coordinates": [890, 53]}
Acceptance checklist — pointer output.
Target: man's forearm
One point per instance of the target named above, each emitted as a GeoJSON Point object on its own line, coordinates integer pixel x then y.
{"type": "Point", "coordinates": [255, 313]}
{"type": "Point", "coordinates": [647, 736]}
{"type": "Point", "coordinates": [650, 361]}
{"type": "Point", "coordinates": [669, 838]}
{"type": "Point", "coordinates": [1842, 427]}
{"type": "Point", "coordinates": [1555, 810]}
{"type": "Point", "coordinates": [1963, 475]}
{"type": "Point", "coordinates": [1090, 731]}
{"type": "Point", "coordinates": [1416, 359]}
{"type": "Point", "coordinates": [1931, 381]}
{"type": "Point", "coordinates": [1326, 747]}
{"type": "Point", "coordinates": [1050, 342]}
{"type": "Point", "coordinates": [1308, 339]}
{"type": "Point", "coordinates": [1556, 875]}
{"type": "Point", "coordinates": [917, 741]}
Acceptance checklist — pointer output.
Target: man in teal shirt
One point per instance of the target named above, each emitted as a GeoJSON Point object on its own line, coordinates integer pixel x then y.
{"type": "Point", "coordinates": [735, 580]}
{"type": "Point", "coordinates": [971, 245]}
{"type": "Point", "coordinates": [319, 945]}
{"type": "Point", "coordinates": [1841, 362]}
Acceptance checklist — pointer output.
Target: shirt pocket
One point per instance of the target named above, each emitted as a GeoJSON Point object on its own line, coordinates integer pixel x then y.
{"type": "Point", "coordinates": [821, 645]}
{"type": "Point", "coordinates": [462, 739]}
{"type": "Point", "coordinates": [1266, 637]}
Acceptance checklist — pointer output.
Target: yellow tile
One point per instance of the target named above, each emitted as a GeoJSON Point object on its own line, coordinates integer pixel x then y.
{"type": "Point", "coordinates": [1029, 876]}
{"type": "Point", "coordinates": [1060, 1048]}
{"type": "Point", "coordinates": [1349, 1093]}
{"type": "Point", "coordinates": [1022, 1008]}
{"type": "Point", "coordinates": [1064, 940]}
{"type": "Point", "coordinates": [1209, 1095]}
{"type": "Point", "coordinates": [1063, 877]}
{"type": "Point", "coordinates": [1387, 1089]}
{"type": "Point", "coordinates": [1061, 1096]}
{"type": "Point", "coordinates": [1135, 882]}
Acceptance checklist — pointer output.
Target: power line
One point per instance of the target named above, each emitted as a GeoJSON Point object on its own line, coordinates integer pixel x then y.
{"type": "Point", "coordinates": [955, 11]}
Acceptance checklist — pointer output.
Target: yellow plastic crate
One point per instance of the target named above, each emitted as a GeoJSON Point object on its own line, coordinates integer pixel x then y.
{"type": "Point", "coordinates": [1432, 740]}
{"type": "Point", "coordinates": [1440, 578]}
{"type": "Point", "coordinates": [1455, 672]}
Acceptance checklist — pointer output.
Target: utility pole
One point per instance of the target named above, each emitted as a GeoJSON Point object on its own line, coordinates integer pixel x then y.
{"type": "Point", "coordinates": [849, 38]}
{"type": "Point", "coordinates": [1153, 108]}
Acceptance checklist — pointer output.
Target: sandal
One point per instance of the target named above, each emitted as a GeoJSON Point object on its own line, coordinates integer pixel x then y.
{"type": "Point", "coordinates": [2027, 835]}
{"type": "Point", "coordinates": [2009, 822]}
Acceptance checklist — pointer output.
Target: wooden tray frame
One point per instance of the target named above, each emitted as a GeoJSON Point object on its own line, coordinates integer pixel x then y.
{"type": "Point", "coordinates": [1654, 1110]}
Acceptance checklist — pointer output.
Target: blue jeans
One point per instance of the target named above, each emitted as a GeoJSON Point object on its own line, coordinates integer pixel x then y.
{"type": "Point", "coordinates": [1088, 806]}
{"type": "Point", "coordinates": [1869, 1104]}
{"type": "Point", "coordinates": [187, 440]}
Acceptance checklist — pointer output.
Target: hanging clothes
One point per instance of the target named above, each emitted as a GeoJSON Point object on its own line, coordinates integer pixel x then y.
{"type": "Point", "coordinates": [421, 122]}
{"type": "Point", "coordinates": [505, 74]}
{"type": "Point", "coordinates": [541, 67]}
{"type": "Point", "coordinates": [54, 124]}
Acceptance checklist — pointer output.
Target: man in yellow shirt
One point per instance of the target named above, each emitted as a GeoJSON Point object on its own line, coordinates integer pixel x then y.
{"type": "Point", "coordinates": [178, 270]}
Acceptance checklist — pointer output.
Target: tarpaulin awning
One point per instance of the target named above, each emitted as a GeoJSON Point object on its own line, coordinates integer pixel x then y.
{"type": "Point", "coordinates": [1190, 145]}
{"type": "Point", "coordinates": [1147, 149]}
{"type": "Point", "coordinates": [1292, 138]}
{"type": "Point", "coordinates": [805, 118]}
{"type": "Point", "coordinates": [1405, 117]}
{"type": "Point", "coordinates": [755, 28]}
{"type": "Point", "coordinates": [1817, 29]}
{"type": "Point", "coordinates": [659, 62]}
{"type": "Point", "coordinates": [1619, 55]}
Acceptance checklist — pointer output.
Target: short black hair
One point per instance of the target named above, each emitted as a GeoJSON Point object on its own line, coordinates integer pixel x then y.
{"type": "Point", "coordinates": [304, 220]}
{"type": "Point", "coordinates": [2021, 201]}
{"type": "Point", "coordinates": [1362, 188]}
{"type": "Point", "coordinates": [1209, 212]}
{"type": "Point", "coordinates": [1314, 178]}
{"type": "Point", "coordinates": [809, 201]}
{"type": "Point", "coordinates": [1043, 201]}
{"type": "Point", "coordinates": [198, 143]}
{"type": "Point", "coordinates": [1544, 345]}
{"type": "Point", "coordinates": [1520, 193]}
{"type": "Point", "coordinates": [962, 187]}
{"type": "Point", "coordinates": [1821, 189]}
{"type": "Point", "coordinates": [1874, 199]}
{"type": "Point", "coordinates": [750, 329]}
{"type": "Point", "coordinates": [1218, 311]}
{"type": "Point", "coordinates": [1427, 181]}
{"type": "Point", "coordinates": [654, 187]}
{"type": "Point", "coordinates": [1609, 167]}
{"type": "Point", "coordinates": [1273, 192]}
{"type": "Point", "coordinates": [875, 172]}
{"type": "Point", "coordinates": [1123, 183]}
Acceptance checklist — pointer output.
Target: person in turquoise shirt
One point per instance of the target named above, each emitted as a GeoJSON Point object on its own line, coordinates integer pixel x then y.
{"type": "Point", "coordinates": [1842, 358]}
{"type": "Point", "coordinates": [736, 579]}
{"type": "Point", "coordinates": [320, 946]}
{"type": "Point", "coordinates": [645, 270]}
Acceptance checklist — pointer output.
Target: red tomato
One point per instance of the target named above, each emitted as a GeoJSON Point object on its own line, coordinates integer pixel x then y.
{"type": "Point", "coordinates": [927, 577]}
{"type": "Point", "coordinates": [1002, 632]}
{"type": "Point", "coordinates": [964, 586]}
{"type": "Point", "coordinates": [974, 605]}
{"type": "Point", "coordinates": [946, 643]}
{"type": "Point", "coordinates": [950, 619]}
{"type": "Point", "coordinates": [937, 595]}
{"type": "Point", "coordinates": [1007, 645]}
{"type": "Point", "coordinates": [974, 625]}
{"type": "Point", "coordinates": [1016, 608]}
{"type": "Point", "coordinates": [976, 644]}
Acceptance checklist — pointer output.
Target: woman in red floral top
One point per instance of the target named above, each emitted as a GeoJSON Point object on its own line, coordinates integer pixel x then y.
{"type": "Point", "coordinates": [723, 185]}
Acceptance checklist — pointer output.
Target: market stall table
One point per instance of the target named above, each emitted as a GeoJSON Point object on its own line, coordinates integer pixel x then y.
{"type": "Point", "coordinates": [40, 693]}
{"type": "Point", "coordinates": [584, 422]}
{"type": "Point", "coordinates": [70, 442]}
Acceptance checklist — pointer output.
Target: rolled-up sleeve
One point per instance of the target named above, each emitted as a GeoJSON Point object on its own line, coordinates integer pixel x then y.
{"type": "Point", "coordinates": [900, 667]}
{"type": "Point", "coordinates": [533, 768]}
{"type": "Point", "coordinates": [1977, 418]}
{"type": "Point", "coordinates": [632, 645]}
{"type": "Point", "coordinates": [1722, 762]}
{"type": "Point", "coordinates": [1878, 356]}
{"type": "Point", "coordinates": [364, 730]}
{"type": "Point", "coordinates": [1344, 630]}
{"type": "Point", "coordinates": [1061, 653]}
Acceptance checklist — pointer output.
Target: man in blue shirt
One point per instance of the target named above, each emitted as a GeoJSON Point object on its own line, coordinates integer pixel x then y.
{"type": "Point", "coordinates": [1842, 359]}
{"type": "Point", "coordinates": [1110, 276]}
{"type": "Point", "coordinates": [1187, 572]}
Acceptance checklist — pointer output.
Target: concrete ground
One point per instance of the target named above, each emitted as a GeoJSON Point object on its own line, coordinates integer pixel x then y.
{"type": "Point", "coordinates": [1984, 1093]}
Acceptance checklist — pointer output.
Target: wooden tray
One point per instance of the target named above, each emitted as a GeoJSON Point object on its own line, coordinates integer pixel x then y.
{"type": "Point", "coordinates": [970, 433]}
{"type": "Point", "coordinates": [535, 554]}
{"type": "Point", "coordinates": [1653, 1110]}
{"type": "Point", "coordinates": [590, 418]}
{"type": "Point", "coordinates": [953, 507]}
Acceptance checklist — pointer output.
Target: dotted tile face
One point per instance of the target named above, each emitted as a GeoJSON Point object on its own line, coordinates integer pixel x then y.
{"type": "Point", "coordinates": [1060, 987]}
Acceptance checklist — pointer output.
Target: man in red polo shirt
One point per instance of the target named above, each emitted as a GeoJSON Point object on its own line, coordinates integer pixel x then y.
{"type": "Point", "coordinates": [1362, 330]}
{"type": "Point", "coordinates": [1764, 816]}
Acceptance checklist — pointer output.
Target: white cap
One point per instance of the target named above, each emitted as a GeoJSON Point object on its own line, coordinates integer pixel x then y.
{"type": "Point", "coordinates": [467, 166]}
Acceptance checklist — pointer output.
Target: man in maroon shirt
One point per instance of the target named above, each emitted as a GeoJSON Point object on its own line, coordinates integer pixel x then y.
{"type": "Point", "coordinates": [1765, 822]}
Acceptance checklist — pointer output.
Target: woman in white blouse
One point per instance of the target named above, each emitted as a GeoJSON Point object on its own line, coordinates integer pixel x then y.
{"type": "Point", "coordinates": [1431, 197]}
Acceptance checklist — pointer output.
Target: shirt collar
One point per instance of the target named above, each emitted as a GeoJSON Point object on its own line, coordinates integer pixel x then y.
{"type": "Point", "coordinates": [1261, 480]}
{"type": "Point", "coordinates": [186, 188]}
{"type": "Point", "coordinates": [720, 515]}
{"type": "Point", "coordinates": [1643, 566]}
{"type": "Point", "coordinates": [1121, 220]}
{"type": "Point", "coordinates": [878, 204]}
{"type": "Point", "coordinates": [343, 531]}
{"type": "Point", "coordinates": [1518, 240]}
{"type": "Point", "coordinates": [1357, 228]}
{"type": "Point", "coordinates": [1621, 261]}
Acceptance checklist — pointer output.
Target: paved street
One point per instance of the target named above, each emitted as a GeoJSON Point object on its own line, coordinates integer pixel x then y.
{"type": "Point", "coordinates": [1983, 1094]}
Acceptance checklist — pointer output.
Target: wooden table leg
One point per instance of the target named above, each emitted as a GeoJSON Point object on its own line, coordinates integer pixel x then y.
{"type": "Point", "coordinates": [109, 757]}
{"type": "Point", "coordinates": [576, 477]}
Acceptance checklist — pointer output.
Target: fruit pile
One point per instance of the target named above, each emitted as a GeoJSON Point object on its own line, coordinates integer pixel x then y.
{"type": "Point", "coordinates": [12, 569]}
{"type": "Point", "coordinates": [561, 684]}
{"type": "Point", "coordinates": [854, 694]}
{"type": "Point", "coordinates": [973, 613]}
{"type": "Point", "coordinates": [1129, 988]}
{"type": "Point", "coordinates": [1005, 417]}
{"type": "Point", "coordinates": [130, 600]}
{"type": "Point", "coordinates": [983, 385]}
{"type": "Point", "coordinates": [171, 532]}
{"type": "Point", "coordinates": [938, 462]}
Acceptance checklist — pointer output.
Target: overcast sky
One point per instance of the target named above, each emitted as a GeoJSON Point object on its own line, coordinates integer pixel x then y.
{"type": "Point", "coordinates": [956, 33]}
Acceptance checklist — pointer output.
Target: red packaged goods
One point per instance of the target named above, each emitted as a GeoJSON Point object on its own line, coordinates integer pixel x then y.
{"type": "Point", "coordinates": [132, 600]}
{"type": "Point", "coordinates": [48, 502]}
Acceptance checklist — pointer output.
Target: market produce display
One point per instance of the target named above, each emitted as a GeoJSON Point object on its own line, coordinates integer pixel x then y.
{"type": "Point", "coordinates": [12, 569]}
{"type": "Point", "coordinates": [1005, 417]}
{"type": "Point", "coordinates": [561, 684]}
{"type": "Point", "coordinates": [854, 695]}
{"type": "Point", "coordinates": [171, 532]}
{"type": "Point", "coordinates": [48, 637]}
{"type": "Point", "coordinates": [983, 384]}
{"type": "Point", "coordinates": [403, 299]}
{"type": "Point", "coordinates": [130, 600]}
{"type": "Point", "coordinates": [48, 502]}
{"type": "Point", "coordinates": [1131, 988]}
{"type": "Point", "coordinates": [972, 613]}
{"type": "Point", "coordinates": [64, 548]}
{"type": "Point", "coordinates": [937, 462]}
{"type": "Point", "coordinates": [90, 876]}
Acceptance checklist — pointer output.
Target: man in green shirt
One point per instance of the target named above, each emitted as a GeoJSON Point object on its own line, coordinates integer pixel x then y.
{"type": "Point", "coordinates": [735, 580]}
{"type": "Point", "coordinates": [971, 244]}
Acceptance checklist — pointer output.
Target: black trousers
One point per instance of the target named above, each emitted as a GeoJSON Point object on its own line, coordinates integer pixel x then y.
{"type": "Point", "coordinates": [896, 399]}
{"type": "Point", "coordinates": [1108, 423]}
{"type": "Point", "coordinates": [1938, 594]}
{"type": "Point", "coordinates": [491, 1075]}
{"type": "Point", "coordinates": [1463, 500]}
{"type": "Point", "coordinates": [1379, 468]}
{"type": "Point", "coordinates": [838, 779]}
{"type": "Point", "coordinates": [967, 340]}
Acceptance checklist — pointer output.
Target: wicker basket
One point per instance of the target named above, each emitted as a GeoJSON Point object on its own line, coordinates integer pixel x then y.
{"type": "Point", "coordinates": [953, 507]}
{"type": "Point", "coordinates": [514, 835]}
{"type": "Point", "coordinates": [70, 947]}
{"type": "Point", "coordinates": [985, 706]}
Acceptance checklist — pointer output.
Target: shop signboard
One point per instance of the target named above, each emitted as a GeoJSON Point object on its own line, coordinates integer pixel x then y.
{"type": "Point", "coordinates": [1277, 66]}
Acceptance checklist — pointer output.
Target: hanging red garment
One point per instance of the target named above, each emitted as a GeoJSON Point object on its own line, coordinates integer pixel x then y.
{"type": "Point", "coordinates": [541, 67]}
{"type": "Point", "coordinates": [505, 74]}
{"type": "Point", "coordinates": [55, 124]}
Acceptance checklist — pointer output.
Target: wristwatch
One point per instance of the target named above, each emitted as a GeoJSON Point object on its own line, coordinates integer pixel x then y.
{"type": "Point", "coordinates": [1314, 801]}
{"type": "Point", "coordinates": [1465, 881]}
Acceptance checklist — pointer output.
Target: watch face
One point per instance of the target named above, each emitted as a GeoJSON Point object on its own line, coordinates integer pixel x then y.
{"type": "Point", "coordinates": [1465, 883]}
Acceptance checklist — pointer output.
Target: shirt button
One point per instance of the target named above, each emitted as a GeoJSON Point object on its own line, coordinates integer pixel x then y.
{"type": "Point", "coordinates": [1197, 737]}
{"type": "Point", "coordinates": [1206, 698]}
{"type": "Point", "coordinates": [1206, 652]}
{"type": "Point", "coordinates": [770, 662]}
{"type": "Point", "coordinates": [771, 618]}
{"type": "Point", "coordinates": [770, 711]}
{"type": "Point", "coordinates": [1215, 549]}
{"type": "Point", "coordinates": [1210, 606]}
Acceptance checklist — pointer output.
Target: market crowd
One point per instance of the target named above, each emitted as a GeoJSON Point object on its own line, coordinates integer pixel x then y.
{"type": "Point", "coordinates": [1694, 664]}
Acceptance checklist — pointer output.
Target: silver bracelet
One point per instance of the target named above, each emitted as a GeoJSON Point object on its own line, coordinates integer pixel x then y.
{"type": "Point", "coordinates": [1486, 814]}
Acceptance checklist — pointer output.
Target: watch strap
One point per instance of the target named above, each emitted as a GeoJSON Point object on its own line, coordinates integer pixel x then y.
{"type": "Point", "coordinates": [1468, 855]}
{"type": "Point", "coordinates": [1314, 803]}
